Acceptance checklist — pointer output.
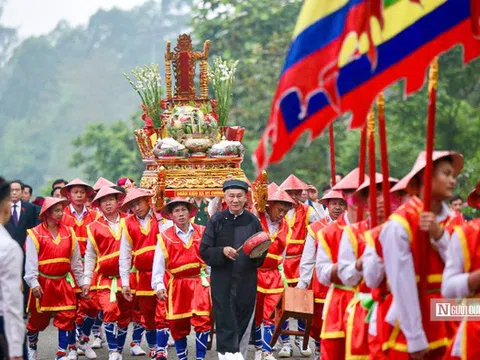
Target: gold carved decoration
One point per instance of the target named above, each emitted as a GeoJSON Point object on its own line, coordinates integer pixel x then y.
{"type": "Point", "coordinates": [167, 177]}
{"type": "Point", "coordinates": [183, 60]}
{"type": "Point", "coordinates": [260, 192]}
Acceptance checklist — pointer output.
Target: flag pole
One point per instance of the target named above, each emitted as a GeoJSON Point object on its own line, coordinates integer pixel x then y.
{"type": "Point", "coordinates": [382, 132]}
{"type": "Point", "coordinates": [372, 168]}
{"type": "Point", "coordinates": [427, 181]}
{"type": "Point", "coordinates": [361, 165]}
{"type": "Point", "coordinates": [332, 153]}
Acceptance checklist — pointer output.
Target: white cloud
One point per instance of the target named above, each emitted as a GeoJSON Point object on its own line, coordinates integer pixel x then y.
{"type": "Point", "coordinates": [37, 17]}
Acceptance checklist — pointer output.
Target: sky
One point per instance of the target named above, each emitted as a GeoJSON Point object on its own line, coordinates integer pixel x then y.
{"type": "Point", "coordinates": [37, 17]}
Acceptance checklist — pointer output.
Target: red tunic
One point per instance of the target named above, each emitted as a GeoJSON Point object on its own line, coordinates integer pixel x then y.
{"type": "Point", "coordinates": [186, 295]}
{"type": "Point", "coordinates": [438, 333]}
{"type": "Point", "coordinates": [469, 236]}
{"type": "Point", "coordinates": [54, 256]}
{"type": "Point", "coordinates": [143, 242]}
{"type": "Point", "coordinates": [381, 295]}
{"type": "Point", "coordinates": [269, 280]}
{"type": "Point", "coordinates": [339, 296]}
{"type": "Point", "coordinates": [107, 247]}
{"type": "Point", "coordinates": [298, 224]}
{"type": "Point", "coordinates": [80, 227]}
{"type": "Point", "coordinates": [356, 328]}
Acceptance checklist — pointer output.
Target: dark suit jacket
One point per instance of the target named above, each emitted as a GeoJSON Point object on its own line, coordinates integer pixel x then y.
{"type": "Point", "coordinates": [28, 219]}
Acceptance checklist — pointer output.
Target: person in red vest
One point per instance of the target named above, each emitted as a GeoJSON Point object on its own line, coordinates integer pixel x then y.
{"type": "Point", "coordinates": [270, 279]}
{"type": "Point", "coordinates": [77, 216]}
{"type": "Point", "coordinates": [399, 238]}
{"type": "Point", "coordinates": [336, 205]}
{"type": "Point", "coordinates": [98, 339]}
{"type": "Point", "coordinates": [461, 279]}
{"type": "Point", "coordinates": [326, 266]}
{"type": "Point", "coordinates": [102, 254]}
{"type": "Point", "coordinates": [139, 239]}
{"type": "Point", "coordinates": [298, 218]}
{"type": "Point", "coordinates": [374, 275]}
{"type": "Point", "coordinates": [350, 272]}
{"type": "Point", "coordinates": [52, 255]}
{"type": "Point", "coordinates": [188, 290]}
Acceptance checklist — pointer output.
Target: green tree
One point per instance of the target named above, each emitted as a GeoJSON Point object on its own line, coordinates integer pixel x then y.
{"type": "Point", "coordinates": [52, 87]}
{"type": "Point", "coordinates": [109, 151]}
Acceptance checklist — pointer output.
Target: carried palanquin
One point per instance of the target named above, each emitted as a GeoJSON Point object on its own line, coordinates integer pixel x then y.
{"type": "Point", "coordinates": [191, 152]}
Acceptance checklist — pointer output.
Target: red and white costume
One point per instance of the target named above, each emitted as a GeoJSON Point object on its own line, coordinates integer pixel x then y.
{"type": "Point", "coordinates": [339, 295]}
{"type": "Point", "coordinates": [188, 291]}
{"type": "Point", "coordinates": [138, 245]}
{"type": "Point", "coordinates": [50, 262]}
{"type": "Point", "coordinates": [79, 222]}
{"type": "Point", "coordinates": [399, 239]}
{"type": "Point", "coordinates": [270, 284]}
{"type": "Point", "coordinates": [102, 254]}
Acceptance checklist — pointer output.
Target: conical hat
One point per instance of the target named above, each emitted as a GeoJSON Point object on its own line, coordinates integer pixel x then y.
{"type": "Point", "coordinates": [133, 195]}
{"type": "Point", "coordinates": [102, 182]}
{"type": "Point", "coordinates": [50, 202]}
{"type": "Point", "coordinates": [105, 191]}
{"type": "Point", "coordinates": [378, 180]}
{"type": "Point", "coordinates": [332, 194]}
{"type": "Point", "coordinates": [350, 181]}
{"type": "Point", "coordinates": [76, 182]}
{"type": "Point", "coordinates": [280, 195]}
{"type": "Point", "coordinates": [400, 186]}
{"type": "Point", "coordinates": [165, 212]}
{"type": "Point", "coordinates": [473, 199]}
{"type": "Point", "coordinates": [293, 183]}
{"type": "Point", "coordinates": [272, 187]}
{"type": "Point", "coordinates": [421, 162]}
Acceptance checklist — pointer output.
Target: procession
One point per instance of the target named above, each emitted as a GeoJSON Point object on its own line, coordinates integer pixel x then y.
{"type": "Point", "coordinates": [200, 255]}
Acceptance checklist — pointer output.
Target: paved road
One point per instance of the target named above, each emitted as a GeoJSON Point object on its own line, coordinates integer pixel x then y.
{"type": "Point", "coordinates": [47, 348]}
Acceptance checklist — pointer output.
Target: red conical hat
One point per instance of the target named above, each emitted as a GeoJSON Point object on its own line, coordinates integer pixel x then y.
{"type": "Point", "coordinates": [332, 194]}
{"type": "Point", "coordinates": [293, 183]}
{"type": "Point", "coordinates": [350, 181]}
{"type": "Point", "coordinates": [50, 202]}
{"type": "Point", "coordinates": [421, 162]}
{"type": "Point", "coordinates": [401, 185]}
{"type": "Point", "coordinates": [272, 187]}
{"type": "Point", "coordinates": [102, 182]}
{"type": "Point", "coordinates": [76, 182]}
{"type": "Point", "coordinates": [378, 180]}
{"type": "Point", "coordinates": [280, 195]}
{"type": "Point", "coordinates": [165, 212]}
{"type": "Point", "coordinates": [473, 199]}
{"type": "Point", "coordinates": [133, 195]}
{"type": "Point", "coordinates": [105, 191]}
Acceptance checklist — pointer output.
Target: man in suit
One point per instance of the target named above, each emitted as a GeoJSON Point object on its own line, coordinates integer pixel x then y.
{"type": "Point", "coordinates": [23, 217]}
{"type": "Point", "coordinates": [23, 214]}
{"type": "Point", "coordinates": [27, 197]}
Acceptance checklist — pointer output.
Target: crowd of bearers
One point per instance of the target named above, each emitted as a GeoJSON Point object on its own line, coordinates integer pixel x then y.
{"type": "Point", "coordinates": [103, 255]}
